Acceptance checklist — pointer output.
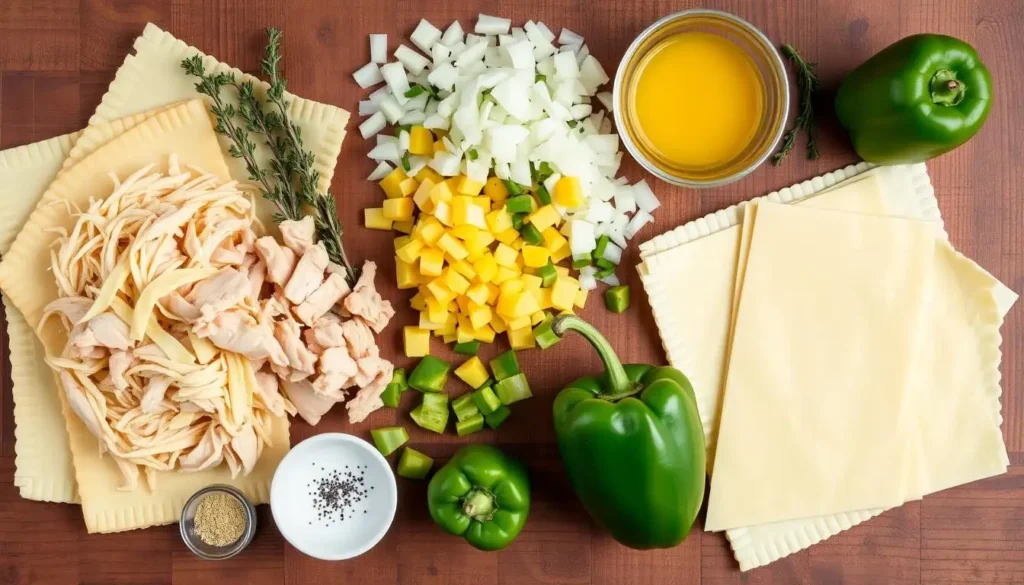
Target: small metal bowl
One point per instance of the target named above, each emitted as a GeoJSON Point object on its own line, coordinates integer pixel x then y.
{"type": "Point", "coordinates": [196, 544]}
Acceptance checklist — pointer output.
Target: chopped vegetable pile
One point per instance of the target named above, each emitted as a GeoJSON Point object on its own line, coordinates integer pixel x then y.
{"type": "Point", "coordinates": [498, 170]}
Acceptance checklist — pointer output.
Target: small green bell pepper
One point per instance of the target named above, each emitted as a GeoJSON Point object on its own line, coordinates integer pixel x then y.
{"type": "Point", "coordinates": [498, 417]}
{"type": "Point", "coordinates": [470, 424]}
{"type": "Point", "coordinates": [920, 97]}
{"type": "Point", "coordinates": [432, 413]}
{"type": "Point", "coordinates": [633, 446]}
{"type": "Point", "coordinates": [469, 348]}
{"type": "Point", "coordinates": [481, 495]}
{"type": "Point", "coordinates": [513, 389]}
{"type": "Point", "coordinates": [414, 464]}
{"type": "Point", "coordinates": [616, 299]}
{"type": "Point", "coordinates": [388, 439]}
{"type": "Point", "coordinates": [464, 406]}
{"type": "Point", "coordinates": [430, 375]}
{"type": "Point", "coordinates": [486, 400]}
{"type": "Point", "coordinates": [505, 365]}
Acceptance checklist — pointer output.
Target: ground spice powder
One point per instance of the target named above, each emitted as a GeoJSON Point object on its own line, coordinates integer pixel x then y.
{"type": "Point", "coordinates": [219, 520]}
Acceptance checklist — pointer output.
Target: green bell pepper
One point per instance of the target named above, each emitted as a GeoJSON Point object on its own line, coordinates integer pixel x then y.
{"type": "Point", "coordinates": [430, 375]}
{"type": "Point", "coordinates": [498, 417]}
{"type": "Point", "coordinates": [920, 97]}
{"type": "Point", "coordinates": [632, 443]}
{"type": "Point", "coordinates": [481, 495]}
{"type": "Point", "coordinates": [388, 439]}
{"type": "Point", "coordinates": [414, 464]}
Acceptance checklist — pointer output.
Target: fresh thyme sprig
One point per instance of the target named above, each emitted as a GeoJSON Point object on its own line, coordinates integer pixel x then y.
{"type": "Point", "coordinates": [807, 85]}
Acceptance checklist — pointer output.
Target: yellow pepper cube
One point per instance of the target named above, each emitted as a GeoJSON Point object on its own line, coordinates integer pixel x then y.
{"type": "Point", "coordinates": [417, 342]}
{"type": "Point", "coordinates": [436, 312]}
{"type": "Point", "coordinates": [568, 192]}
{"type": "Point", "coordinates": [517, 244]}
{"type": "Point", "coordinates": [431, 262]}
{"type": "Point", "coordinates": [374, 219]}
{"type": "Point", "coordinates": [428, 173]}
{"type": "Point", "coordinates": [478, 293]}
{"type": "Point", "coordinates": [544, 217]}
{"type": "Point", "coordinates": [405, 274]}
{"type": "Point", "coordinates": [537, 318]}
{"type": "Point", "coordinates": [492, 293]}
{"type": "Point", "coordinates": [440, 291]}
{"type": "Point", "coordinates": [552, 239]}
{"type": "Point", "coordinates": [399, 209]}
{"type": "Point", "coordinates": [504, 273]}
{"type": "Point", "coordinates": [507, 302]}
{"type": "Point", "coordinates": [408, 187]}
{"type": "Point", "coordinates": [581, 298]}
{"type": "Point", "coordinates": [438, 146]}
{"type": "Point", "coordinates": [486, 268]}
{"type": "Point", "coordinates": [473, 372]}
{"type": "Point", "coordinates": [531, 282]}
{"type": "Point", "coordinates": [543, 297]}
{"type": "Point", "coordinates": [507, 237]}
{"type": "Point", "coordinates": [418, 302]}
{"type": "Point", "coordinates": [519, 323]}
{"type": "Point", "coordinates": [474, 216]}
{"type": "Point", "coordinates": [463, 303]}
{"type": "Point", "coordinates": [513, 286]}
{"type": "Point", "coordinates": [464, 331]}
{"type": "Point", "coordinates": [468, 186]}
{"type": "Point", "coordinates": [562, 271]}
{"type": "Point", "coordinates": [484, 334]}
{"type": "Point", "coordinates": [449, 325]}
{"type": "Point", "coordinates": [421, 141]}
{"type": "Point", "coordinates": [561, 253]}
{"type": "Point", "coordinates": [505, 255]}
{"type": "Point", "coordinates": [430, 230]}
{"type": "Point", "coordinates": [498, 323]}
{"type": "Point", "coordinates": [535, 256]}
{"type": "Point", "coordinates": [443, 213]}
{"type": "Point", "coordinates": [456, 282]}
{"type": "Point", "coordinates": [495, 189]}
{"type": "Point", "coordinates": [484, 203]}
{"type": "Point", "coordinates": [499, 220]}
{"type": "Point", "coordinates": [404, 227]}
{"type": "Point", "coordinates": [426, 323]}
{"type": "Point", "coordinates": [482, 238]}
{"type": "Point", "coordinates": [563, 293]}
{"type": "Point", "coordinates": [402, 241]}
{"type": "Point", "coordinates": [392, 183]}
{"type": "Point", "coordinates": [479, 315]}
{"type": "Point", "coordinates": [526, 305]}
{"type": "Point", "coordinates": [448, 337]}
{"type": "Point", "coordinates": [422, 195]}
{"type": "Point", "coordinates": [441, 192]}
{"type": "Point", "coordinates": [521, 338]}
{"type": "Point", "coordinates": [453, 183]}
{"type": "Point", "coordinates": [465, 268]}
{"type": "Point", "coordinates": [464, 232]}
{"type": "Point", "coordinates": [452, 246]}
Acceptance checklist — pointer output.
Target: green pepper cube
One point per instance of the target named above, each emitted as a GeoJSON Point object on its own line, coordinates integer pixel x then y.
{"type": "Point", "coordinates": [387, 439]}
{"type": "Point", "coordinates": [391, 395]}
{"type": "Point", "coordinates": [517, 220]}
{"type": "Point", "coordinates": [605, 272]}
{"type": "Point", "coordinates": [513, 188]}
{"type": "Point", "coordinates": [544, 335]}
{"type": "Point", "coordinates": [602, 263]}
{"type": "Point", "coordinates": [531, 235]}
{"type": "Point", "coordinates": [486, 400]}
{"type": "Point", "coordinates": [578, 263]}
{"type": "Point", "coordinates": [497, 417]}
{"type": "Point", "coordinates": [470, 424]}
{"type": "Point", "coordinates": [464, 406]}
{"type": "Point", "coordinates": [430, 375]}
{"type": "Point", "coordinates": [505, 365]}
{"type": "Point", "coordinates": [398, 377]}
{"type": "Point", "coordinates": [543, 195]}
{"type": "Point", "coordinates": [432, 413]}
{"type": "Point", "coordinates": [513, 389]}
{"type": "Point", "coordinates": [519, 204]}
{"type": "Point", "coordinates": [616, 299]}
{"type": "Point", "coordinates": [468, 347]}
{"type": "Point", "coordinates": [548, 275]}
{"type": "Point", "coordinates": [413, 464]}
{"type": "Point", "coordinates": [602, 245]}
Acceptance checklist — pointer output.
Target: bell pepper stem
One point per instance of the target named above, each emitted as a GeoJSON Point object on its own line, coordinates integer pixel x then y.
{"type": "Point", "coordinates": [479, 505]}
{"type": "Point", "coordinates": [619, 385]}
{"type": "Point", "coordinates": [946, 89]}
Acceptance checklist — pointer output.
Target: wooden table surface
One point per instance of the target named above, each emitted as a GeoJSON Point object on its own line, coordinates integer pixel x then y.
{"type": "Point", "coordinates": [57, 58]}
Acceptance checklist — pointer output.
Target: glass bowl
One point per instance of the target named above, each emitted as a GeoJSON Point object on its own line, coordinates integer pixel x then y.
{"type": "Point", "coordinates": [196, 544]}
{"type": "Point", "coordinates": [774, 85]}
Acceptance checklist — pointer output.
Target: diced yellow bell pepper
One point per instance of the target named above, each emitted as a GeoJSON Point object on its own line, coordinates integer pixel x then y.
{"type": "Point", "coordinates": [408, 186]}
{"type": "Point", "coordinates": [499, 220]}
{"type": "Point", "coordinates": [449, 325]}
{"type": "Point", "coordinates": [438, 146]}
{"type": "Point", "coordinates": [517, 244]}
{"type": "Point", "coordinates": [398, 209]}
{"type": "Point", "coordinates": [428, 173]}
{"type": "Point", "coordinates": [374, 219]}
{"type": "Point", "coordinates": [492, 293]}
{"type": "Point", "coordinates": [505, 255]}
{"type": "Point", "coordinates": [521, 338]}
{"type": "Point", "coordinates": [452, 246]}
{"type": "Point", "coordinates": [562, 253]}
{"type": "Point", "coordinates": [563, 293]}
{"type": "Point", "coordinates": [498, 323]}
{"type": "Point", "coordinates": [563, 271]}
{"type": "Point", "coordinates": [455, 281]}
{"type": "Point", "coordinates": [506, 306]}
{"type": "Point", "coordinates": [404, 227]}
{"type": "Point", "coordinates": [486, 268]}
{"type": "Point", "coordinates": [473, 372]}
{"type": "Point", "coordinates": [543, 298]}
{"type": "Point", "coordinates": [439, 290]}
{"type": "Point", "coordinates": [511, 287]}
{"type": "Point", "coordinates": [401, 241]}
{"type": "Point", "coordinates": [465, 268]}
{"type": "Point", "coordinates": [468, 186]}
{"type": "Point", "coordinates": [495, 189]}
{"type": "Point", "coordinates": [417, 342]}
{"type": "Point", "coordinates": [531, 282]}
{"type": "Point", "coordinates": [464, 232]}
{"type": "Point", "coordinates": [448, 337]}
{"type": "Point", "coordinates": [479, 315]}
{"type": "Point", "coordinates": [441, 192]}
{"type": "Point", "coordinates": [443, 213]}
{"type": "Point", "coordinates": [535, 256]}
{"type": "Point", "coordinates": [519, 323]}
{"type": "Point", "coordinates": [526, 305]}
{"type": "Point", "coordinates": [422, 195]}
{"type": "Point", "coordinates": [418, 302]}
{"type": "Point", "coordinates": [405, 274]}
{"type": "Point", "coordinates": [507, 237]}
{"type": "Point", "coordinates": [426, 323]}
{"type": "Point", "coordinates": [464, 331]}
{"type": "Point", "coordinates": [482, 238]}
{"type": "Point", "coordinates": [544, 217]}
{"type": "Point", "coordinates": [552, 239]}
{"type": "Point", "coordinates": [484, 203]}
{"type": "Point", "coordinates": [475, 217]}
{"type": "Point", "coordinates": [431, 262]}
{"type": "Point", "coordinates": [430, 230]}
{"type": "Point", "coordinates": [453, 183]}
{"type": "Point", "coordinates": [436, 312]}
{"type": "Point", "coordinates": [504, 273]}
{"type": "Point", "coordinates": [536, 318]}
{"type": "Point", "coordinates": [391, 184]}
{"type": "Point", "coordinates": [484, 334]}
{"type": "Point", "coordinates": [568, 192]}
{"type": "Point", "coordinates": [581, 298]}
{"type": "Point", "coordinates": [478, 293]}
{"type": "Point", "coordinates": [463, 303]}
{"type": "Point", "coordinates": [421, 141]}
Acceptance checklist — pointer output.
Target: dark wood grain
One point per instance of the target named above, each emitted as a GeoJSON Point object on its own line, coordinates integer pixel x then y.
{"type": "Point", "coordinates": [57, 57]}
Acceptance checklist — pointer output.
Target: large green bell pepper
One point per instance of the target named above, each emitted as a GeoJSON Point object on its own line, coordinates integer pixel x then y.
{"type": "Point", "coordinates": [920, 97]}
{"type": "Point", "coordinates": [633, 446]}
{"type": "Point", "coordinates": [481, 495]}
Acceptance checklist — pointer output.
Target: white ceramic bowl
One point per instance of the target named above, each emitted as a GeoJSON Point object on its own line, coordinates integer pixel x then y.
{"type": "Point", "coordinates": [333, 532]}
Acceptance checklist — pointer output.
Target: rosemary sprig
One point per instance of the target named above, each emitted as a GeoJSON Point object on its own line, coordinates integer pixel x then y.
{"type": "Point", "coordinates": [807, 85]}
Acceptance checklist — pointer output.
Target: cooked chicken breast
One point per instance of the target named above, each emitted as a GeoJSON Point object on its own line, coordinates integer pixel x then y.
{"type": "Point", "coordinates": [307, 276]}
{"type": "Point", "coordinates": [366, 302]}
{"type": "Point", "coordinates": [329, 293]}
{"type": "Point", "coordinates": [280, 261]}
{"type": "Point", "coordinates": [298, 235]}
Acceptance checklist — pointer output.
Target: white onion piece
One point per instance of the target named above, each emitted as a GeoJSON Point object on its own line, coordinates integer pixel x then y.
{"type": "Point", "coordinates": [397, 80]}
{"type": "Point", "coordinates": [567, 37]}
{"type": "Point", "coordinates": [391, 109]}
{"type": "Point", "coordinates": [566, 66]}
{"type": "Point", "coordinates": [546, 32]}
{"type": "Point", "coordinates": [385, 138]}
{"type": "Point", "coordinates": [588, 282]}
{"type": "Point", "coordinates": [425, 36]}
{"type": "Point", "coordinates": [367, 107]}
{"type": "Point", "coordinates": [385, 151]}
{"type": "Point", "coordinates": [639, 220]}
{"type": "Point", "coordinates": [618, 238]}
{"type": "Point", "coordinates": [610, 280]}
{"type": "Point", "coordinates": [413, 117]}
{"type": "Point", "coordinates": [403, 141]}
{"type": "Point", "coordinates": [446, 164]}
{"type": "Point", "coordinates": [472, 39]}
{"type": "Point", "coordinates": [457, 49]}
{"type": "Point", "coordinates": [412, 61]}
{"type": "Point", "coordinates": [504, 40]}
{"type": "Point", "coordinates": [612, 253]}
{"type": "Point", "coordinates": [520, 54]}
{"type": "Point", "coordinates": [473, 53]}
{"type": "Point", "coordinates": [379, 94]}
{"type": "Point", "coordinates": [605, 98]}
{"type": "Point", "coordinates": [372, 125]}
{"type": "Point", "coordinates": [417, 163]}
{"type": "Point", "coordinates": [383, 169]}
{"type": "Point", "coordinates": [436, 122]}
{"type": "Point", "coordinates": [492, 25]}
{"type": "Point", "coordinates": [379, 48]}
{"type": "Point", "coordinates": [581, 237]}
{"type": "Point", "coordinates": [624, 200]}
{"type": "Point", "coordinates": [444, 76]}
{"type": "Point", "coordinates": [645, 197]}
{"type": "Point", "coordinates": [582, 53]}
{"type": "Point", "coordinates": [440, 54]}
{"type": "Point", "coordinates": [368, 75]}
{"type": "Point", "coordinates": [452, 35]}
{"type": "Point", "coordinates": [592, 75]}
{"type": "Point", "coordinates": [518, 33]}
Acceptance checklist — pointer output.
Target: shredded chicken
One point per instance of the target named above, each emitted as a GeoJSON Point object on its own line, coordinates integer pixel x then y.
{"type": "Point", "coordinates": [301, 361]}
{"type": "Point", "coordinates": [237, 332]}
{"type": "Point", "coordinates": [366, 302]}
{"type": "Point", "coordinates": [307, 276]}
{"type": "Point", "coordinates": [310, 405]}
{"type": "Point", "coordinates": [280, 261]}
{"type": "Point", "coordinates": [328, 294]}
{"type": "Point", "coordinates": [368, 399]}
{"type": "Point", "coordinates": [298, 235]}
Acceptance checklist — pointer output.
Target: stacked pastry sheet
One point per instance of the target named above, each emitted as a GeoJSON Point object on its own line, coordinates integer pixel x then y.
{"type": "Point", "coordinates": [845, 357]}
{"type": "Point", "coordinates": [149, 112]}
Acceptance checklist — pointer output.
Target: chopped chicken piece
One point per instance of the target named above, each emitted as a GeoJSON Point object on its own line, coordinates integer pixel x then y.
{"type": "Point", "coordinates": [359, 338]}
{"type": "Point", "coordinates": [328, 332]}
{"type": "Point", "coordinates": [80, 404]}
{"type": "Point", "coordinates": [225, 289]}
{"type": "Point", "coordinates": [298, 235]}
{"type": "Point", "coordinates": [267, 388]}
{"type": "Point", "coordinates": [367, 303]}
{"type": "Point", "coordinates": [307, 276]}
{"type": "Point", "coordinates": [73, 308]}
{"type": "Point", "coordinates": [367, 369]}
{"type": "Point", "coordinates": [368, 399]}
{"type": "Point", "coordinates": [310, 405]}
{"type": "Point", "coordinates": [336, 371]}
{"type": "Point", "coordinates": [272, 307]}
{"type": "Point", "coordinates": [153, 395]}
{"type": "Point", "coordinates": [235, 331]}
{"type": "Point", "coordinates": [118, 364]}
{"type": "Point", "coordinates": [185, 310]}
{"type": "Point", "coordinates": [245, 445]}
{"type": "Point", "coordinates": [309, 337]}
{"type": "Point", "coordinates": [330, 292]}
{"type": "Point", "coordinates": [300, 360]}
{"type": "Point", "coordinates": [106, 330]}
{"type": "Point", "coordinates": [257, 277]}
{"type": "Point", "coordinates": [228, 254]}
{"type": "Point", "coordinates": [280, 261]}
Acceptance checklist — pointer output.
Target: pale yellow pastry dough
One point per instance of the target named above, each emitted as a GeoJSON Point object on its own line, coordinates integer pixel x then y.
{"type": "Point", "coordinates": [184, 130]}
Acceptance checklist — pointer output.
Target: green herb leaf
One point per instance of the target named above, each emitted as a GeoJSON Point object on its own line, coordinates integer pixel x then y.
{"type": "Point", "coordinates": [807, 85]}
{"type": "Point", "coordinates": [405, 162]}
{"type": "Point", "coordinates": [472, 154]}
{"type": "Point", "coordinates": [415, 90]}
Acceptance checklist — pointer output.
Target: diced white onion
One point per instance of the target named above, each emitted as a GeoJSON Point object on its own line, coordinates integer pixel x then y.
{"type": "Point", "coordinates": [444, 76]}
{"type": "Point", "coordinates": [412, 61]}
{"type": "Point", "coordinates": [610, 280]}
{"type": "Point", "coordinates": [403, 141]}
{"type": "Point", "coordinates": [446, 164]}
{"type": "Point", "coordinates": [379, 48]}
{"type": "Point", "coordinates": [581, 237]}
{"type": "Point", "coordinates": [416, 164]}
{"type": "Point", "coordinates": [397, 80]}
{"type": "Point", "coordinates": [612, 253]}
{"type": "Point", "coordinates": [383, 169]}
{"type": "Point", "coordinates": [639, 220]}
{"type": "Point", "coordinates": [372, 125]}
{"type": "Point", "coordinates": [567, 37]}
{"type": "Point", "coordinates": [391, 110]}
{"type": "Point", "coordinates": [453, 35]}
{"type": "Point", "coordinates": [582, 54]}
{"type": "Point", "coordinates": [588, 282]}
{"type": "Point", "coordinates": [367, 107]}
{"type": "Point", "coordinates": [592, 75]}
{"type": "Point", "coordinates": [440, 54]}
{"type": "Point", "coordinates": [546, 32]}
{"type": "Point", "coordinates": [385, 138]}
{"type": "Point", "coordinates": [646, 200]}
{"type": "Point", "coordinates": [471, 55]}
{"type": "Point", "coordinates": [565, 66]}
{"type": "Point", "coordinates": [492, 25]}
{"type": "Point", "coordinates": [518, 33]}
{"type": "Point", "coordinates": [379, 94]}
{"type": "Point", "coordinates": [413, 117]}
{"type": "Point", "coordinates": [605, 97]}
{"type": "Point", "coordinates": [368, 75]}
{"type": "Point", "coordinates": [385, 151]}
{"type": "Point", "coordinates": [425, 36]}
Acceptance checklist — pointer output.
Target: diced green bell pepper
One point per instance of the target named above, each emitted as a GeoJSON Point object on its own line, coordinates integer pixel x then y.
{"type": "Point", "coordinates": [468, 347]}
{"type": "Point", "coordinates": [543, 334]}
{"type": "Point", "coordinates": [548, 275]}
{"type": "Point", "coordinates": [486, 400]}
{"type": "Point", "coordinates": [602, 245]}
{"type": "Point", "coordinates": [578, 263]}
{"type": "Point", "coordinates": [393, 391]}
{"type": "Point", "coordinates": [542, 195]}
{"type": "Point", "coordinates": [464, 406]}
{"type": "Point", "coordinates": [432, 413]}
{"type": "Point", "coordinates": [413, 464]}
{"type": "Point", "coordinates": [430, 375]}
{"type": "Point", "coordinates": [602, 263]}
{"type": "Point", "coordinates": [519, 204]}
{"type": "Point", "coordinates": [513, 389]}
{"type": "Point", "coordinates": [470, 424]}
{"type": "Point", "coordinates": [513, 188]}
{"type": "Point", "coordinates": [531, 235]}
{"type": "Point", "coordinates": [616, 299]}
{"type": "Point", "coordinates": [499, 416]}
{"type": "Point", "coordinates": [505, 365]}
{"type": "Point", "coordinates": [387, 439]}
{"type": "Point", "coordinates": [517, 220]}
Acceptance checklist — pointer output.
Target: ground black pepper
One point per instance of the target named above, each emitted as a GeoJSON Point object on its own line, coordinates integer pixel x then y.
{"type": "Point", "coordinates": [336, 494]}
